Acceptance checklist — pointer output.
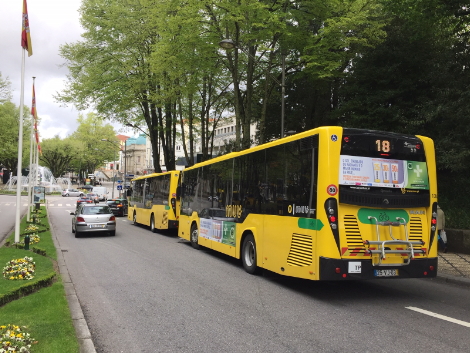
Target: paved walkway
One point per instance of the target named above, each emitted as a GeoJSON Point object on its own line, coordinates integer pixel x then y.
{"type": "Point", "coordinates": [454, 268]}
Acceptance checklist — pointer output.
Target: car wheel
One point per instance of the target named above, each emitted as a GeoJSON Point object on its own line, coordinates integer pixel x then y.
{"type": "Point", "coordinates": [134, 219]}
{"type": "Point", "coordinates": [248, 255]}
{"type": "Point", "coordinates": [112, 233]}
{"type": "Point", "coordinates": [194, 237]}
{"type": "Point", "coordinates": [66, 194]}
{"type": "Point", "coordinates": [152, 224]}
{"type": "Point", "coordinates": [77, 234]}
{"type": "Point", "coordinates": [73, 230]}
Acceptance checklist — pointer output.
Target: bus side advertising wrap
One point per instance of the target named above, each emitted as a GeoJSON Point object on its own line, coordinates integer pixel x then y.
{"type": "Point", "coordinates": [378, 172]}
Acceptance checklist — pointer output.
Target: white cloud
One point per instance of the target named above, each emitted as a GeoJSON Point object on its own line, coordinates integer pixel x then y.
{"type": "Point", "coordinates": [52, 23]}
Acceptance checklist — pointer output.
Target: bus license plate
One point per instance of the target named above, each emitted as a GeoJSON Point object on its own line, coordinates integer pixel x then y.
{"type": "Point", "coordinates": [385, 273]}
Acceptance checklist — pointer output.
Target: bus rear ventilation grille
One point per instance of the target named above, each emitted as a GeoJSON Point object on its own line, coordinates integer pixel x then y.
{"type": "Point", "coordinates": [353, 235]}
{"type": "Point", "coordinates": [301, 250]}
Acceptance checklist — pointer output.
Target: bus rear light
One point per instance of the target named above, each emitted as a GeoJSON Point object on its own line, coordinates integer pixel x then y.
{"type": "Point", "coordinates": [431, 268]}
{"type": "Point", "coordinates": [337, 270]}
{"type": "Point", "coordinates": [344, 275]}
{"type": "Point", "coordinates": [434, 221]}
{"type": "Point", "coordinates": [425, 273]}
{"type": "Point", "coordinates": [332, 219]}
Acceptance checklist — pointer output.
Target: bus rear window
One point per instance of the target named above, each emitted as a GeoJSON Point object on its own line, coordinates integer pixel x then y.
{"type": "Point", "coordinates": [386, 160]}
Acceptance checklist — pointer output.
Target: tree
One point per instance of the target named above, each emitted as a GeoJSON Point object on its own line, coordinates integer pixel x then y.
{"type": "Point", "coordinates": [57, 154]}
{"type": "Point", "coordinates": [9, 121]}
{"type": "Point", "coordinates": [5, 89]}
{"type": "Point", "coordinates": [90, 150]}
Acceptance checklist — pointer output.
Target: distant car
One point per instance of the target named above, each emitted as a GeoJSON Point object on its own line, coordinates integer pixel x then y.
{"type": "Point", "coordinates": [95, 197]}
{"type": "Point", "coordinates": [118, 206]}
{"type": "Point", "coordinates": [72, 192]}
{"type": "Point", "coordinates": [84, 199]}
{"type": "Point", "coordinates": [90, 218]}
{"type": "Point", "coordinates": [86, 187]}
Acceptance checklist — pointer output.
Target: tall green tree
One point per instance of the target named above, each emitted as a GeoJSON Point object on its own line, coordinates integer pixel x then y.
{"type": "Point", "coordinates": [91, 151]}
{"type": "Point", "coordinates": [58, 154]}
{"type": "Point", "coordinates": [9, 121]}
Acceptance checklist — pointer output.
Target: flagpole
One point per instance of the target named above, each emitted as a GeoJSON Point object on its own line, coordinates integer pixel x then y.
{"type": "Point", "coordinates": [20, 154]}
{"type": "Point", "coordinates": [28, 217]}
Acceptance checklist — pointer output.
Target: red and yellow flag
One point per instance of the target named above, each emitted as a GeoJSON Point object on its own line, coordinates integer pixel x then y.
{"type": "Point", "coordinates": [35, 116]}
{"type": "Point", "coordinates": [25, 36]}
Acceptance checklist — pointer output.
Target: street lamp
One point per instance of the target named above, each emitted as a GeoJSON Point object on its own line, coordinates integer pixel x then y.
{"type": "Point", "coordinates": [114, 165]}
{"type": "Point", "coordinates": [230, 44]}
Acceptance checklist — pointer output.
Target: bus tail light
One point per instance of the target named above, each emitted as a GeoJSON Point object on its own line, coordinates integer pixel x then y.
{"type": "Point", "coordinates": [173, 205]}
{"type": "Point", "coordinates": [331, 209]}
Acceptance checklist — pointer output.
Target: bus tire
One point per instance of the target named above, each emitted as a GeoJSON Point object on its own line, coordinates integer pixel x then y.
{"type": "Point", "coordinates": [152, 224]}
{"type": "Point", "coordinates": [248, 255]}
{"type": "Point", "coordinates": [194, 236]}
{"type": "Point", "coordinates": [134, 219]}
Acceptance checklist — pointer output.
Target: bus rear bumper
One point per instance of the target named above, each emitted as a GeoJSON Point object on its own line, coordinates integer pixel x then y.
{"type": "Point", "coordinates": [351, 269]}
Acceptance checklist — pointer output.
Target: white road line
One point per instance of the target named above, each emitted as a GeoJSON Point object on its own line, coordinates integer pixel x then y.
{"type": "Point", "coordinates": [439, 316]}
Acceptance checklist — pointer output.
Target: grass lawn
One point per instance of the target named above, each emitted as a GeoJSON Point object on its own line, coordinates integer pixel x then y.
{"type": "Point", "coordinates": [44, 312]}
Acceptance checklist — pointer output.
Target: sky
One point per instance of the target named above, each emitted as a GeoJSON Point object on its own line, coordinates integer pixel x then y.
{"type": "Point", "coordinates": [52, 23]}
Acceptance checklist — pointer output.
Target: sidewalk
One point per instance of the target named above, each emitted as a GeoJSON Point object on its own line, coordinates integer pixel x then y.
{"type": "Point", "coordinates": [454, 268]}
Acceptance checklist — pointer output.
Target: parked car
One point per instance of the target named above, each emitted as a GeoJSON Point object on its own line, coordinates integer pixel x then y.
{"type": "Point", "coordinates": [118, 206]}
{"type": "Point", "coordinates": [90, 218]}
{"type": "Point", "coordinates": [84, 199]}
{"type": "Point", "coordinates": [72, 192]}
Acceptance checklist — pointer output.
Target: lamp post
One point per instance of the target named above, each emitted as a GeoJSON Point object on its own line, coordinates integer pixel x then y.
{"type": "Point", "coordinates": [230, 44]}
{"type": "Point", "coordinates": [114, 166]}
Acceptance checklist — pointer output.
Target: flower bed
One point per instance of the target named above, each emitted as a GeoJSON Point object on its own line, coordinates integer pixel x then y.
{"type": "Point", "coordinates": [14, 339]}
{"type": "Point", "coordinates": [22, 269]}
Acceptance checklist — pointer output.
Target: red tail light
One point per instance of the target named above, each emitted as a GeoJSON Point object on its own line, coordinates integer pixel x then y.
{"type": "Point", "coordinates": [112, 218]}
{"type": "Point", "coordinates": [80, 219]}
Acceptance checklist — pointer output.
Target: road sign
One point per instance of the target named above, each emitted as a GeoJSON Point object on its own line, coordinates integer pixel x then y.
{"type": "Point", "coordinates": [119, 187]}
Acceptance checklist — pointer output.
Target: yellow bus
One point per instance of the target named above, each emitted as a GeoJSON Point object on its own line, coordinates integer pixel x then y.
{"type": "Point", "coordinates": [330, 203]}
{"type": "Point", "coordinates": [152, 200]}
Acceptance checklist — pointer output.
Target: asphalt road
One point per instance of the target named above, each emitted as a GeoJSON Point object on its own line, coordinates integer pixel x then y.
{"type": "Point", "coordinates": [146, 292]}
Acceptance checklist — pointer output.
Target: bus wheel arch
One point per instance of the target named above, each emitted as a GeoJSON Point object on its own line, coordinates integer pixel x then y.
{"type": "Point", "coordinates": [194, 236]}
{"type": "Point", "coordinates": [248, 253]}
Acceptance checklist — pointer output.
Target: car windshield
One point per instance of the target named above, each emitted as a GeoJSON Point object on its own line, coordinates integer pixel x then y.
{"type": "Point", "coordinates": [96, 210]}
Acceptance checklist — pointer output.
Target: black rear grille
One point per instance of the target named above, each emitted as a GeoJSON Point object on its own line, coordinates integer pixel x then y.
{"type": "Point", "coordinates": [359, 198]}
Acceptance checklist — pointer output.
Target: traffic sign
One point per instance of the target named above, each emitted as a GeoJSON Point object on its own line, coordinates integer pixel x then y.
{"type": "Point", "coordinates": [119, 187]}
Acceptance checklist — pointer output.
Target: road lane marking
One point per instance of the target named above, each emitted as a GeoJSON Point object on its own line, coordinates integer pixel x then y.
{"type": "Point", "coordinates": [439, 316]}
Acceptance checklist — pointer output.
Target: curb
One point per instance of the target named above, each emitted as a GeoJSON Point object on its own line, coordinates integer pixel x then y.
{"type": "Point", "coordinates": [461, 281]}
{"type": "Point", "coordinates": [81, 327]}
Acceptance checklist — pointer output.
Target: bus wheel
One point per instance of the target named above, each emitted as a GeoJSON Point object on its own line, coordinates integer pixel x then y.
{"type": "Point", "coordinates": [194, 236]}
{"type": "Point", "coordinates": [152, 224]}
{"type": "Point", "coordinates": [249, 255]}
{"type": "Point", "coordinates": [134, 219]}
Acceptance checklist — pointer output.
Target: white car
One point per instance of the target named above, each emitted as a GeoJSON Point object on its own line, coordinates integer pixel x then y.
{"type": "Point", "coordinates": [72, 192]}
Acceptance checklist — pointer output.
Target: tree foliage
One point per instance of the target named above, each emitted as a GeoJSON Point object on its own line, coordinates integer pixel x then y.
{"type": "Point", "coordinates": [398, 65]}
